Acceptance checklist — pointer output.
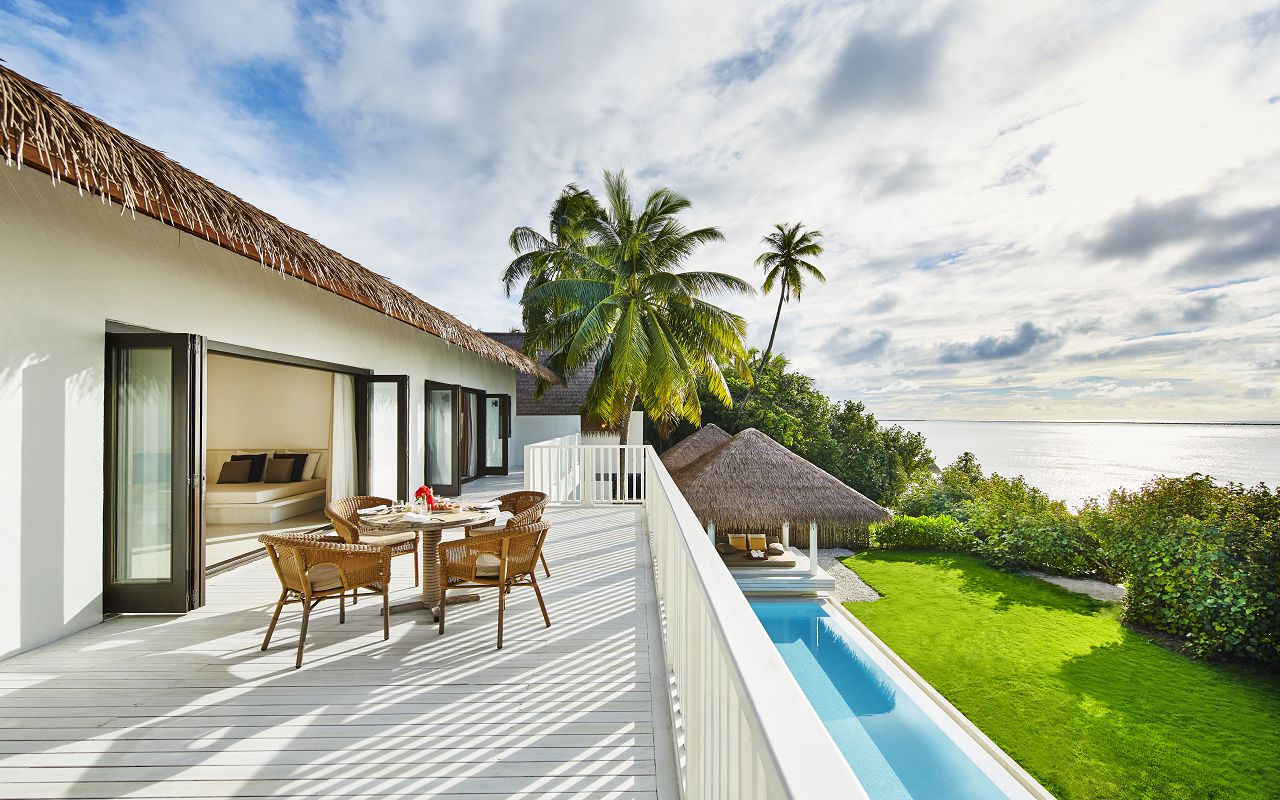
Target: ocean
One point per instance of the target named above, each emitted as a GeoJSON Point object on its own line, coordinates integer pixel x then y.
{"type": "Point", "coordinates": [1073, 461]}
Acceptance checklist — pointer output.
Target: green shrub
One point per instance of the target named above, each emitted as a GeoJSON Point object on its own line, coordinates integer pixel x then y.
{"type": "Point", "coordinates": [1019, 527]}
{"type": "Point", "coordinates": [1201, 561]}
{"type": "Point", "coordinates": [938, 532]}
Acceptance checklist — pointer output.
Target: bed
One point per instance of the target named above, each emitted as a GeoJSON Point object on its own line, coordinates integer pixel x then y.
{"type": "Point", "coordinates": [238, 503]}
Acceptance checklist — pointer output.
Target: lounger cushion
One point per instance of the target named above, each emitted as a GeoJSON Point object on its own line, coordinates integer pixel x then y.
{"type": "Point", "coordinates": [324, 577]}
{"type": "Point", "coordinates": [488, 566]}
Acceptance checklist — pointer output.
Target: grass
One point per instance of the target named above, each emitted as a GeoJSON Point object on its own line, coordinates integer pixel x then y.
{"type": "Point", "coordinates": [1089, 707]}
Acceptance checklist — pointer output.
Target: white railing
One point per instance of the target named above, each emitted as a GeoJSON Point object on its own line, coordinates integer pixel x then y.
{"type": "Point", "coordinates": [742, 730]}
{"type": "Point", "coordinates": [570, 471]}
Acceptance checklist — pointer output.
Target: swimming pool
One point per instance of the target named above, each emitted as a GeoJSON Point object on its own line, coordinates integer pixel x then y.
{"type": "Point", "coordinates": [899, 741]}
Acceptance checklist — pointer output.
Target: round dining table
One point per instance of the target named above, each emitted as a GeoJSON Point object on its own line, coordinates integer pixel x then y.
{"type": "Point", "coordinates": [377, 526]}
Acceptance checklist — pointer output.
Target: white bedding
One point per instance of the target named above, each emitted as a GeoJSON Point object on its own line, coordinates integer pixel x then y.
{"type": "Point", "coordinates": [258, 492]}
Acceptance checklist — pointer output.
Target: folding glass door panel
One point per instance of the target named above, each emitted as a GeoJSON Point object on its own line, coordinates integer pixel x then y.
{"type": "Point", "coordinates": [497, 433]}
{"type": "Point", "coordinates": [470, 436]}
{"type": "Point", "coordinates": [383, 435]}
{"type": "Point", "coordinates": [441, 426]}
{"type": "Point", "coordinates": [154, 473]}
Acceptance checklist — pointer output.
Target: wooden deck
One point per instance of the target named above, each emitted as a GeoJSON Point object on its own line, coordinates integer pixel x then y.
{"type": "Point", "coordinates": [190, 707]}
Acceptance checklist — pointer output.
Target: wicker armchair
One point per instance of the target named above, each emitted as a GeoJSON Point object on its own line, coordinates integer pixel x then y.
{"type": "Point", "coordinates": [502, 560]}
{"type": "Point", "coordinates": [312, 568]}
{"type": "Point", "coordinates": [342, 513]}
{"type": "Point", "coordinates": [526, 507]}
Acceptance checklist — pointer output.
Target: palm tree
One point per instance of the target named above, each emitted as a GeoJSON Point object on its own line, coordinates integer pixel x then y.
{"type": "Point", "coordinates": [541, 258]}
{"type": "Point", "coordinates": [631, 310]}
{"type": "Point", "coordinates": [785, 267]}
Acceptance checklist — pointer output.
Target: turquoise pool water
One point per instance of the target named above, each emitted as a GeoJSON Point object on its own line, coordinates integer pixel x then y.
{"type": "Point", "coordinates": [895, 748]}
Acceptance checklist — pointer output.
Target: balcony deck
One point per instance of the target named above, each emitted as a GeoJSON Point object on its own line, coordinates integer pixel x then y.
{"type": "Point", "coordinates": [190, 707]}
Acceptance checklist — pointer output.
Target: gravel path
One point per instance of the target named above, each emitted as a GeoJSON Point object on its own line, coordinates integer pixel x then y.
{"type": "Point", "coordinates": [849, 587]}
{"type": "Point", "coordinates": [1098, 590]}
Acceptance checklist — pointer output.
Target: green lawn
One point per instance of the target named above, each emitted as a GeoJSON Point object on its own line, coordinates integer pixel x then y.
{"type": "Point", "coordinates": [1090, 708]}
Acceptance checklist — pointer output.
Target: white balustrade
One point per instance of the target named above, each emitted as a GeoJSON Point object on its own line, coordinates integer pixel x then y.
{"type": "Point", "coordinates": [742, 729]}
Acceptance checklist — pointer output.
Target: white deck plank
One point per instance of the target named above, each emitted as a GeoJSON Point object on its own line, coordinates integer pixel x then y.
{"type": "Point", "coordinates": [191, 707]}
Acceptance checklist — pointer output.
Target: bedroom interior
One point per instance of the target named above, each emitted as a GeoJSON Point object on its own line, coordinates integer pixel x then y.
{"type": "Point", "coordinates": [280, 443]}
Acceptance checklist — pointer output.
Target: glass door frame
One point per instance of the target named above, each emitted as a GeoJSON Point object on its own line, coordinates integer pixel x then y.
{"type": "Point", "coordinates": [185, 588]}
{"type": "Point", "coordinates": [454, 486]}
{"type": "Point", "coordinates": [504, 434]}
{"type": "Point", "coordinates": [363, 430]}
{"type": "Point", "coordinates": [479, 432]}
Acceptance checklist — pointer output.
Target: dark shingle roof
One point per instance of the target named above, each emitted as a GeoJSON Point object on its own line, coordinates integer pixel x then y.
{"type": "Point", "coordinates": [557, 400]}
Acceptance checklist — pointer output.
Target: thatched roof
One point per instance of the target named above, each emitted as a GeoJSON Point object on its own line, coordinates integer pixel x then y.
{"type": "Point", "coordinates": [752, 481]}
{"type": "Point", "coordinates": [40, 129]}
{"type": "Point", "coordinates": [694, 446]}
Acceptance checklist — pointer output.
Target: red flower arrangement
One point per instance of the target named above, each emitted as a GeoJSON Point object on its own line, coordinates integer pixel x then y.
{"type": "Point", "coordinates": [425, 495]}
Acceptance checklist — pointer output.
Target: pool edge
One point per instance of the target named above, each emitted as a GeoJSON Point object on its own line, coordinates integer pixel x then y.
{"type": "Point", "coordinates": [1015, 770]}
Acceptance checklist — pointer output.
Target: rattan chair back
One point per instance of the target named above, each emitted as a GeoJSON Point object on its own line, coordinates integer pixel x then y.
{"type": "Point", "coordinates": [342, 513]}
{"type": "Point", "coordinates": [520, 546]}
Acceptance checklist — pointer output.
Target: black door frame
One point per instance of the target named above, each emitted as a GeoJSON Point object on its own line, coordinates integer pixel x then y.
{"type": "Point", "coordinates": [363, 451]}
{"type": "Point", "coordinates": [185, 588]}
{"type": "Point", "coordinates": [454, 486]}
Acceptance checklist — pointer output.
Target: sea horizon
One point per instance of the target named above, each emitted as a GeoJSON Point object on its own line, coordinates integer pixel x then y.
{"type": "Point", "coordinates": [1260, 422]}
{"type": "Point", "coordinates": [1073, 460]}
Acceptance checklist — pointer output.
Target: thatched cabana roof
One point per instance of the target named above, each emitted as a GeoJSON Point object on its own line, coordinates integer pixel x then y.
{"type": "Point", "coordinates": [695, 445]}
{"type": "Point", "coordinates": [40, 129]}
{"type": "Point", "coordinates": [751, 481]}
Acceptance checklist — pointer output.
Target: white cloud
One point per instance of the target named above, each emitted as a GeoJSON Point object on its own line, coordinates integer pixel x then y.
{"type": "Point", "coordinates": [964, 160]}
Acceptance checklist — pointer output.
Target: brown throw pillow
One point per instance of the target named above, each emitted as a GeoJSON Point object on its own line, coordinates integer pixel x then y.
{"type": "Point", "coordinates": [278, 470]}
{"type": "Point", "coordinates": [299, 462]}
{"type": "Point", "coordinates": [258, 464]}
{"type": "Point", "coordinates": [234, 472]}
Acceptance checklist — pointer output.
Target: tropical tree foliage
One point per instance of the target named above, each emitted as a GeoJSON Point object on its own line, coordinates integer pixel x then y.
{"type": "Point", "coordinates": [843, 438]}
{"type": "Point", "coordinates": [611, 291]}
{"type": "Point", "coordinates": [785, 267]}
{"type": "Point", "coordinates": [562, 253]}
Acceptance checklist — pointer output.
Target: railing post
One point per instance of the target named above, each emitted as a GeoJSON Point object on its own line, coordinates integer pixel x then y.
{"type": "Point", "coordinates": [786, 534]}
{"type": "Point", "coordinates": [813, 548]}
{"type": "Point", "coordinates": [711, 530]}
{"type": "Point", "coordinates": [587, 474]}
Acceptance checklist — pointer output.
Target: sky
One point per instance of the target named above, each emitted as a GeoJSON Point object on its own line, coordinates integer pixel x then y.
{"type": "Point", "coordinates": [1032, 210]}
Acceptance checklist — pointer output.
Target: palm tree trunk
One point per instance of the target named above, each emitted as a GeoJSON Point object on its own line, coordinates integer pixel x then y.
{"type": "Point", "coordinates": [624, 431]}
{"type": "Point", "coordinates": [764, 359]}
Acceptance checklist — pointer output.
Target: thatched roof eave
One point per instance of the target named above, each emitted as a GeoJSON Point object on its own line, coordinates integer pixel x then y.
{"type": "Point", "coordinates": [40, 129]}
{"type": "Point", "coordinates": [752, 481]}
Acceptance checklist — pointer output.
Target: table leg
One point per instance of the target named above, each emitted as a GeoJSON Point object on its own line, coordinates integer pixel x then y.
{"type": "Point", "coordinates": [429, 544]}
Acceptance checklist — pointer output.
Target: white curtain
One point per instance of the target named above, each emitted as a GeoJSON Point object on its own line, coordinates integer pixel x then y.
{"type": "Point", "coordinates": [342, 438]}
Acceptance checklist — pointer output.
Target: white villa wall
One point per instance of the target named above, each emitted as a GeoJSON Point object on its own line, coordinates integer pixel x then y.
{"type": "Point", "coordinates": [253, 404]}
{"type": "Point", "coordinates": [70, 264]}
{"type": "Point", "coordinates": [541, 427]}
{"type": "Point", "coordinates": [529, 429]}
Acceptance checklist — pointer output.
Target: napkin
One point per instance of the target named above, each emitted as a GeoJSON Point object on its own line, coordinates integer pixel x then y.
{"type": "Point", "coordinates": [364, 512]}
{"type": "Point", "coordinates": [486, 506]}
{"type": "Point", "coordinates": [415, 517]}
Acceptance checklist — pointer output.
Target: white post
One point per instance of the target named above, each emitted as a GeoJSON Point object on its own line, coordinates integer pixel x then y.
{"type": "Point", "coordinates": [711, 530]}
{"type": "Point", "coordinates": [588, 466]}
{"type": "Point", "coordinates": [813, 548]}
{"type": "Point", "coordinates": [786, 534]}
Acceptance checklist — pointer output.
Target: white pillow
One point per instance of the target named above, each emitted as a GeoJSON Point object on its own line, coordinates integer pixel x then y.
{"type": "Point", "coordinates": [309, 468]}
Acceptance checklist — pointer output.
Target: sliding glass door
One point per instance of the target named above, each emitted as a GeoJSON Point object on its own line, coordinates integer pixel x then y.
{"type": "Point", "coordinates": [154, 475]}
{"type": "Point", "coordinates": [382, 435]}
